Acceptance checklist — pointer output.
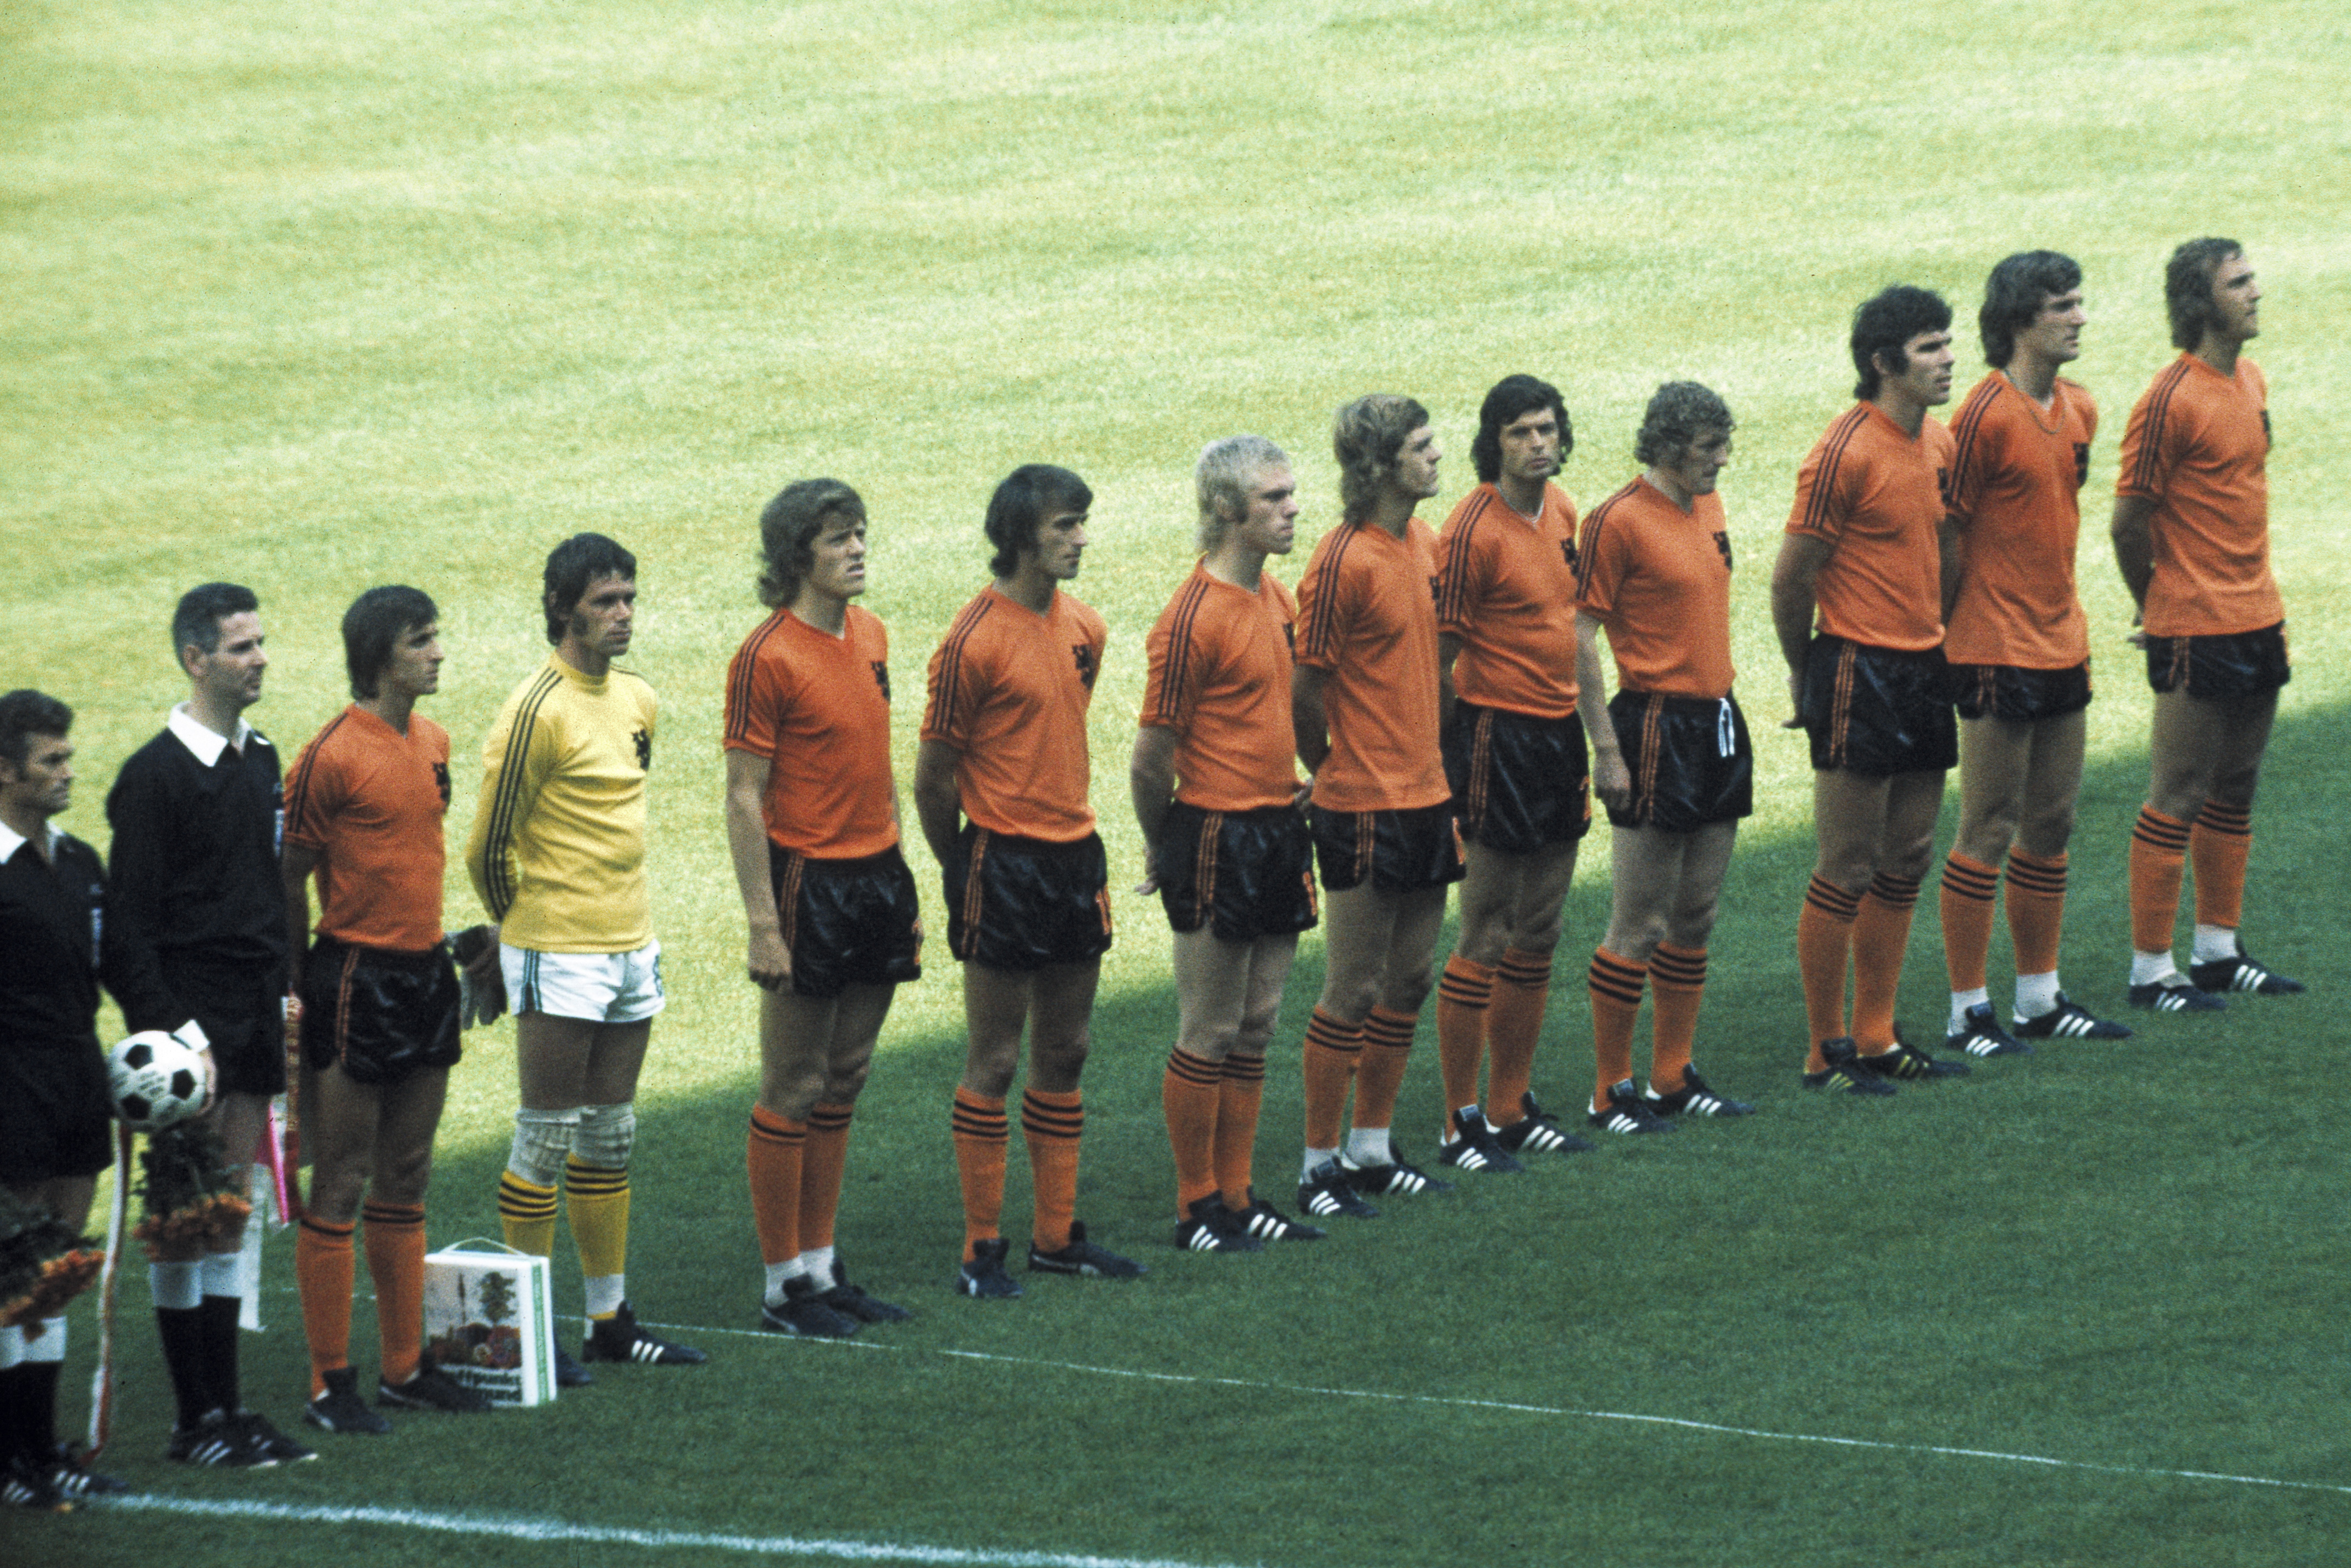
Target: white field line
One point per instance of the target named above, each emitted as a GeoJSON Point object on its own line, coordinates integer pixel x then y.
{"type": "Point", "coordinates": [2149, 1472]}
{"type": "Point", "coordinates": [517, 1527]}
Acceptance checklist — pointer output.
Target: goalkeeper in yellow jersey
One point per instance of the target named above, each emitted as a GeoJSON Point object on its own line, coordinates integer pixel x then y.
{"type": "Point", "coordinates": [557, 856]}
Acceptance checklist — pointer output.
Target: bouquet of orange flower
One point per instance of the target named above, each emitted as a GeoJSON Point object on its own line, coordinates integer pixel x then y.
{"type": "Point", "coordinates": [186, 1190]}
{"type": "Point", "coordinates": [43, 1264]}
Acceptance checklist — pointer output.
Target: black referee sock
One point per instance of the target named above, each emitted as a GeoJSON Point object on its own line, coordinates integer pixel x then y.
{"type": "Point", "coordinates": [181, 1330]}
{"type": "Point", "coordinates": [15, 1413]}
{"type": "Point", "coordinates": [36, 1423]}
{"type": "Point", "coordinates": [219, 1314]}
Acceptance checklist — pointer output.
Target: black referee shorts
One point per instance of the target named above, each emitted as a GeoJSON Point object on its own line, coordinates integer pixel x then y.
{"type": "Point", "coordinates": [1243, 874]}
{"type": "Point", "coordinates": [1519, 783]}
{"type": "Point", "coordinates": [243, 1013]}
{"type": "Point", "coordinates": [1396, 851]}
{"type": "Point", "coordinates": [1691, 758]}
{"type": "Point", "coordinates": [2009, 691]}
{"type": "Point", "coordinates": [847, 922]}
{"type": "Point", "coordinates": [56, 1116]}
{"type": "Point", "coordinates": [2241, 664]}
{"type": "Point", "coordinates": [1878, 711]}
{"type": "Point", "coordinates": [380, 1016]}
{"type": "Point", "coordinates": [1024, 903]}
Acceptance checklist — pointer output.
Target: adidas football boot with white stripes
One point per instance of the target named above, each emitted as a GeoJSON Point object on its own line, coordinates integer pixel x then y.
{"type": "Point", "coordinates": [1473, 1148]}
{"type": "Point", "coordinates": [2243, 973]}
{"type": "Point", "coordinates": [2067, 1020]}
{"type": "Point", "coordinates": [1625, 1112]}
{"type": "Point", "coordinates": [1844, 1072]}
{"type": "Point", "coordinates": [1906, 1061]}
{"type": "Point", "coordinates": [1395, 1179]}
{"type": "Point", "coordinates": [1327, 1191]}
{"type": "Point", "coordinates": [619, 1338]}
{"type": "Point", "coordinates": [1694, 1098]}
{"type": "Point", "coordinates": [1209, 1226]}
{"type": "Point", "coordinates": [2174, 995]}
{"type": "Point", "coordinates": [1538, 1130]}
{"type": "Point", "coordinates": [1984, 1037]}
{"type": "Point", "coordinates": [1267, 1223]}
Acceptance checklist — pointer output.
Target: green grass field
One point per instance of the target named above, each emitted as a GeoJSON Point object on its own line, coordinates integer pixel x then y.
{"type": "Point", "coordinates": [318, 297]}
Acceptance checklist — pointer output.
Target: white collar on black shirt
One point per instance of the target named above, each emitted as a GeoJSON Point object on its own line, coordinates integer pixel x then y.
{"type": "Point", "coordinates": [203, 743]}
{"type": "Point", "coordinates": [10, 839]}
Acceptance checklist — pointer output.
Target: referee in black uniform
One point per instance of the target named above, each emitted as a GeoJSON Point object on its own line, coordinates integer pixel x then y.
{"type": "Point", "coordinates": [53, 1101]}
{"type": "Point", "coordinates": [199, 914]}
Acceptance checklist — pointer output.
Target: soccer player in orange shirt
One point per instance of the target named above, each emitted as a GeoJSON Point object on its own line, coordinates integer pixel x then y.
{"type": "Point", "coordinates": [1364, 698]}
{"type": "Point", "coordinates": [1231, 858]}
{"type": "Point", "coordinates": [834, 923]}
{"type": "Point", "coordinates": [1514, 759]}
{"type": "Point", "coordinates": [1000, 783]}
{"type": "Point", "coordinates": [2019, 647]}
{"type": "Point", "coordinates": [1672, 758]}
{"type": "Point", "coordinates": [1866, 549]}
{"type": "Point", "coordinates": [380, 1005]}
{"type": "Point", "coordinates": [2192, 535]}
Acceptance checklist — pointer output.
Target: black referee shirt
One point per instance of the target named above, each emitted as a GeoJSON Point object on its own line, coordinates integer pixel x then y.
{"type": "Point", "coordinates": [51, 912]}
{"type": "Point", "coordinates": [195, 869]}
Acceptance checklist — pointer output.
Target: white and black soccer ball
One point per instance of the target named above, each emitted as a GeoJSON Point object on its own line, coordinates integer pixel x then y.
{"type": "Point", "coordinates": [156, 1080]}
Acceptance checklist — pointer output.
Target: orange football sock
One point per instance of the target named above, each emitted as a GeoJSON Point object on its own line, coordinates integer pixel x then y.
{"type": "Point", "coordinates": [776, 1157]}
{"type": "Point", "coordinates": [1189, 1093]}
{"type": "Point", "coordinates": [1239, 1092]}
{"type": "Point", "coordinates": [2221, 844]}
{"type": "Point", "coordinates": [324, 1269]}
{"type": "Point", "coordinates": [1969, 885]}
{"type": "Point", "coordinates": [2158, 856]}
{"type": "Point", "coordinates": [822, 1164]}
{"type": "Point", "coordinates": [1334, 1047]}
{"type": "Point", "coordinates": [1616, 984]}
{"type": "Point", "coordinates": [1676, 987]}
{"type": "Point", "coordinates": [1513, 1030]}
{"type": "Point", "coordinates": [1823, 951]}
{"type": "Point", "coordinates": [982, 1133]}
{"type": "Point", "coordinates": [1463, 993]}
{"type": "Point", "coordinates": [1881, 931]}
{"type": "Point", "coordinates": [1052, 1125]}
{"type": "Point", "coordinates": [1387, 1048]}
{"type": "Point", "coordinates": [2036, 910]}
{"type": "Point", "coordinates": [395, 1261]}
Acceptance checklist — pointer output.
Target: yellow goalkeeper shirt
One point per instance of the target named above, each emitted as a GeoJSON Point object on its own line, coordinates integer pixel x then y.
{"type": "Point", "coordinates": [558, 849]}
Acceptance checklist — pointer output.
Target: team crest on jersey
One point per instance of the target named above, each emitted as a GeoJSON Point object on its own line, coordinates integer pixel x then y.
{"type": "Point", "coordinates": [882, 678]}
{"type": "Point", "coordinates": [1436, 590]}
{"type": "Point", "coordinates": [1722, 543]}
{"type": "Point", "coordinates": [1085, 654]}
{"type": "Point", "coordinates": [2081, 463]}
{"type": "Point", "coordinates": [441, 781]}
{"type": "Point", "coordinates": [1943, 485]}
{"type": "Point", "coordinates": [1567, 549]}
{"type": "Point", "coordinates": [644, 739]}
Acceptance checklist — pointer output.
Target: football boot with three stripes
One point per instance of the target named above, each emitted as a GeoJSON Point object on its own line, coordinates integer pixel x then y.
{"type": "Point", "coordinates": [1980, 1035]}
{"type": "Point", "coordinates": [1474, 1148]}
{"type": "Point", "coordinates": [2067, 1020]}
{"type": "Point", "coordinates": [1625, 1112]}
{"type": "Point", "coordinates": [1538, 1130]}
{"type": "Point", "coordinates": [1326, 1190]}
{"type": "Point", "coordinates": [1694, 1098]}
{"type": "Point", "coordinates": [2243, 973]}
{"type": "Point", "coordinates": [1396, 1178]}
{"type": "Point", "coordinates": [1209, 1225]}
{"type": "Point", "coordinates": [620, 1338]}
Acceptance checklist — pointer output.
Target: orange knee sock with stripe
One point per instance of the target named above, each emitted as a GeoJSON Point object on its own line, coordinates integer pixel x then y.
{"type": "Point", "coordinates": [1332, 1049]}
{"type": "Point", "coordinates": [395, 1261]}
{"type": "Point", "coordinates": [324, 1269]}
{"type": "Point", "coordinates": [776, 1155]}
{"type": "Point", "coordinates": [823, 1162]}
{"type": "Point", "coordinates": [1464, 991]}
{"type": "Point", "coordinates": [1190, 1093]}
{"type": "Point", "coordinates": [1387, 1048]}
{"type": "Point", "coordinates": [2036, 910]}
{"type": "Point", "coordinates": [1053, 1126]}
{"type": "Point", "coordinates": [1677, 988]}
{"type": "Point", "coordinates": [1616, 985]}
{"type": "Point", "coordinates": [1240, 1089]}
{"type": "Point", "coordinates": [1823, 954]}
{"type": "Point", "coordinates": [982, 1133]}
{"type": "Point", "coordinates": [1881, 931]}
{"type": "Point", "coordinates": [2221, 842]}
{"type": "Point", "coordinates": [1513, 1030]}
{"type": "Point", "coordinates": [1969, 887]}
{"type": "Point", "coordinates": [2158, 856]}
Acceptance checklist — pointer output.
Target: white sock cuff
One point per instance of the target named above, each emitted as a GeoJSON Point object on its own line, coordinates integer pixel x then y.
{"type": "Point", "coordinates": [605, 1293]}
{"type": "Point", "coordinates": [50, 1347]}
{"type": "Point", "coordinates": [177, 1287]}
{"type": "Point", "coordinates": [223, 1274]}
{"type": "Point", "coordinates": [2214, 943]}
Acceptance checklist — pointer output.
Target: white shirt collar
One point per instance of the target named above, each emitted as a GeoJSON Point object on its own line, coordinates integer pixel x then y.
{"type": "Point", "coordinates": [11, 841]}
{"type": "Point", "coordinates": [202, 742]}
